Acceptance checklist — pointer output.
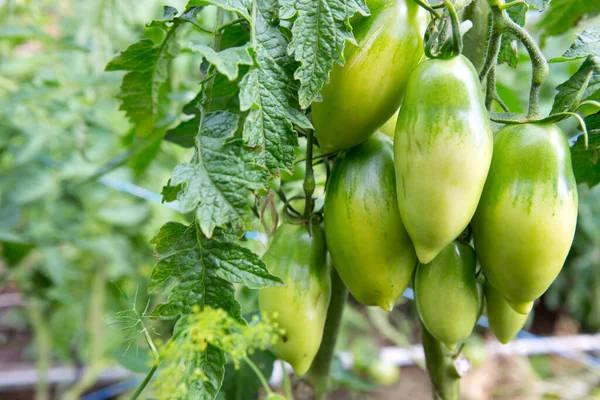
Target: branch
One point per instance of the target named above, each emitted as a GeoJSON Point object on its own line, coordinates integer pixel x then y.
{"type": "Point", "coordinates": [319, 371]}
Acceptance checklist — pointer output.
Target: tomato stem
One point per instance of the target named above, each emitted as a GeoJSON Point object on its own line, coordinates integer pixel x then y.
{"type": "Point", "coordinates": [309, 177]}
{"type": "Point", "coordinates": [501, 24]}
{"type": "Point", "coordinates": [319, 371]}
{"type": "Point", "coordinates": [424, 4]}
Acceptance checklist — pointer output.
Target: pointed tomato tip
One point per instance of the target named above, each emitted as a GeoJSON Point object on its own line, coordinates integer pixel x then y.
{"type": "Point", "coordinates": [522, 308]}
{"type": "Point", "coordinates": [387, 307]}
{"type": "Point", "coordinates": [426, 254]}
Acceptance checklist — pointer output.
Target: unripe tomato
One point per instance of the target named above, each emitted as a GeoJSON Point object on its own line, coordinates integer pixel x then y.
{"type": "Point", "coordinates": [526, 219]}
{"type": "Point", "coordinates": [367, 90]}
{"type": "Point", "coordinates": [300, 306]}
{"type": "Point", "coordinates": [446, 294]}
{"type": "Point", "coordinates": [383, 372]}
{"type": "Point", "coordinates": [368, 244]}
{"type": "Point", "coordinates": [504, 322]}
{"type": "Point", "coordinates": [443, 150]}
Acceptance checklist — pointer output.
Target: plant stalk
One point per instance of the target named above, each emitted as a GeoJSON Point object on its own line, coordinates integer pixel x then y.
{"type": "Point", "coordinates": [501, 23]}
{"type": "Point", "coordinates": [320, 369]}
{"type": "Point", "coordinates": [309, 177]}
{"type": "Point", "coordinates": [96, 335]}
{"type": "Point", "coordinates": [42, 345]}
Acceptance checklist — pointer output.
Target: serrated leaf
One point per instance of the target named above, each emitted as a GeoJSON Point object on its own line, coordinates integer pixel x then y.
{"type": "Point", "coordinates": [226, 61]}
{"type": "Point", "coordinates": [242, 383]}
{"type": "Point", "coordinates": [212, 363]}
{"type": "Point", "coordinates": [218, 182]}
{"type": "Point", "coordinates": [592, 122]}
{"type": "Point", "coordinates": [539, 5]}
{"type": "Point", "coordinates": [569, 90]}
{"type": "Point", "coordinates": [564, 15]}
{"type": "Point", "coordinates": [266, 92]}
{"type": "Point", "coordinates": [587, 43]}
{"type": "Point", "coordinates": [509, 50]}
{"type": "Point", "coordinates": [239, 6]}
{"type": "Point", "coordinates": [585, 162]}
{"type": "Point", "coordinates": [200, 271]}
{"type": "Point", "coordinates": [146, 64]}
{"type": "Point", "coordinates": [319, 34]}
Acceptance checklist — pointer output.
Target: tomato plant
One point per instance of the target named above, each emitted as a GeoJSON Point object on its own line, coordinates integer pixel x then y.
{"type": "Point", "coordinates": [258, 121]}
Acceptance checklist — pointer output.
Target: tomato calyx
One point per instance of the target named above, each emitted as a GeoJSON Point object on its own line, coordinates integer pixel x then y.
{"type": "Point", "coordinates": [443, 37]}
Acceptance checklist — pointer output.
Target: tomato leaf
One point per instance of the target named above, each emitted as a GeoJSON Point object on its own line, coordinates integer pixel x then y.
{"type": "Point", "coordinates": [539, 5]}
{"type": "Point", "coordinates": [587, 43]}
{"type": "Point", "coordinates": [242, 383]}
{"type": "Point", "coordinates": [585, 162]}
{"type": "Point", "coordinates": [226, 61]}
{"type": "Point", "coordinates": [266, 91]}
{"type": "Point", "coordinates": [319, 33]}
{"type": "Point", "coordinates": [200, 271]}
{"type": "Point", "coordinates": [218, 182]}
{"type": "Point", "coordinates": [239, 6]}
{"type": "Point", "coordinates": [146, 64]}
{"type": "Point", "coordinates": [569, 91]}
{"type": "Point", "coordinates": [212, 363]}
{"type": "Point", "coordinates": [566, 14]}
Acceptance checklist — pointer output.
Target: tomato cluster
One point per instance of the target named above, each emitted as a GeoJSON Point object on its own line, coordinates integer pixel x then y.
{"type": "Point", "coordinates": [443, 197]}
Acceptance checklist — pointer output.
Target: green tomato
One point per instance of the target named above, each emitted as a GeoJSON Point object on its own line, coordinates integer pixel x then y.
{"type": "Point", "coordinates": [446, 294]}
{"type": "Point", "coordinates": [369, 246]}
{"type": "Point", "coordinates": [389, 128]}
{"type": "Point", "coordinates": [443, 150]}
{"type": "Point", "coordinates": [365, 93]}
{"type": "Point", "coordinates": [439, 365]}
{"type": "Point", "coordinates": [504, 322]}
{"type": "Point", "coordinates": [526, 219]}
{"type": "Point", "coordinates": [383, 372]}
{"type": "Point", "coordinates": [300, 306]}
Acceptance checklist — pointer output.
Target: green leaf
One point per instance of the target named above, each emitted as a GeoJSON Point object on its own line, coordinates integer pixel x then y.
{"type": "Point", "coordinates": [242, 383]}
{"type": "Point", "coordinates": [147, 64]}
{"type": "Point", "coordinates": [319, 34]}
{"type": "Point", "coordinates": [564, 15]}
{"type": "Point", "coordinates": [585, 162]}
{"type": "Point", "coordinates": [226, 61]}
{"type": "Point", "coordinates": [569, 91]}
{"type": "Point", "coordinates": [200, 271]}
{"type": "Point", "coordinates": [239, 6]}
{"type": "Point", "coordinates": [218, 182]}
{"type": "Point", "coordinates": [592, 122]}
{"type": "Point", "coordinates": [587, 43]}
{"type": "Point", "coordinates": [509, 50]}
{"type": "Point", "coordinates": [266, 91]}
{"type": "Point", "coordinates": [538, 4]}
{"type": "Point", "coordinates": [212, 363]}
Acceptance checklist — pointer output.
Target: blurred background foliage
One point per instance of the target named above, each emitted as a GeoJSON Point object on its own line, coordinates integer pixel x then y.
{"type": "Point", "coordinates": [69, 241]}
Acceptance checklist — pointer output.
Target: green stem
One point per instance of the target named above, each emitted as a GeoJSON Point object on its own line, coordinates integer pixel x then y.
{"type": "Point", "coordinates": [424, 4]}
{"type": "Point", "coordinates": [96, 334]}
{"type": "Point", "coordinates": [287, 384]}
{"type": "Point", "coordinates": [259, 374]}
{"type": "Point", "coordinates": [42, 345]}
{"type": "Point", "coordinates": [145, 382]}
{"type": "Point", "coordinates": [501, 23]}
{"type": "Point", "coordinates": [309, 177]}
{"type": "Point", "coordinates": [539, 65]}
{"type": "Point", "coordinates": [456, 36]}
{"type": "Point", "coordinates": [230, 23]}
{"type": "Point", "coordinates": [491, 92]}
{"type": "Point", "coordinates": [320, 369]}
{"type": "Point", "coordinates": [216, 47]}
{"type": "Point", "coordinates": [496, 31]}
